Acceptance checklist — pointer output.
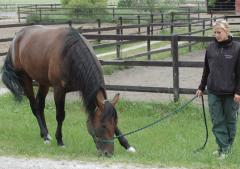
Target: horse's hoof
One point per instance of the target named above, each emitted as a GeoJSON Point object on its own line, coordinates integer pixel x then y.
{"type": "Point", "coordinates": [131, 150]}
{"type": "Point", "coordinates": [49, 137]}
{"type": "Point", "coordinates": [61, 144]}
{"type": "Point", "coordinates": [47, 141]}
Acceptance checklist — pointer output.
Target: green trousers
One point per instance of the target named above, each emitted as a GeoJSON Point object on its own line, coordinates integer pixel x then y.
{"type": "Point", "coordinates": [224, 111]}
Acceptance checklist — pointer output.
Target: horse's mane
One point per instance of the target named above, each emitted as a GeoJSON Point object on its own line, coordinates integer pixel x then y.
{"type": "Point", "coordinates": [85, 70]}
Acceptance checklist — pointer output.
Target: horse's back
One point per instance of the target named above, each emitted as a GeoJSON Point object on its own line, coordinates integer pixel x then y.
{"type": "Point", "coordinates": [38, 52]}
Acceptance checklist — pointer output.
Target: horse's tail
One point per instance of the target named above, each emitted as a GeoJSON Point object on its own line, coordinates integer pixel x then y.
{"type": "Point", "coordinates": [12, 78]}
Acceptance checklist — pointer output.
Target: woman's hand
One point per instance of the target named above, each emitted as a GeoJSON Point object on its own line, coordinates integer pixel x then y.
{"type": "Point", "coordinates": [237, 98]}
{"type": "Point", "coordinates": [200, 93]}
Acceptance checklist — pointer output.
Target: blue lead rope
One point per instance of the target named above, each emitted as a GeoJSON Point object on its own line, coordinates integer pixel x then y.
{"type": "Point", "coordinates": [159, 120]}
{"type": "Point", "coordinates": [171, 114]}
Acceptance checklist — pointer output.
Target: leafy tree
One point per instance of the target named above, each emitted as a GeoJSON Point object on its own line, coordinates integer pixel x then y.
{"type": "Point", "coordinates": [125, 3]}
{"type": "Point", "coordinates": [84, 3]}
{"type": "Point", "coordinates": [211, 3]}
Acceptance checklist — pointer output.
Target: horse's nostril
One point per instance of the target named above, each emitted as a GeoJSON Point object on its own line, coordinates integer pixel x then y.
{"type": "Point", "coordinates": [107, 154]}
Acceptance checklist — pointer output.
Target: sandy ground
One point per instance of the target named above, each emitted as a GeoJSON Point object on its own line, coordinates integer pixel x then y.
{"type": "Point", "coordinates": [40, 163]}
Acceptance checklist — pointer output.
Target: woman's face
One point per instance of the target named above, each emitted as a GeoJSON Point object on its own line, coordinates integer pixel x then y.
{"type": "Point", "coordinates": [220, 34]}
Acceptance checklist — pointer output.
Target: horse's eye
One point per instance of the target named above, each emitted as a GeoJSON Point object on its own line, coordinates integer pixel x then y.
{"type": "Point", "coordinates": [104, 126]}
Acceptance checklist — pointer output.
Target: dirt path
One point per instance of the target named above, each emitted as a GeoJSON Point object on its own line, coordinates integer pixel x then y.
{"type": "Point", "coordinates": [40, 163]}
{"type": "Point", "coordinates": [156, 77]}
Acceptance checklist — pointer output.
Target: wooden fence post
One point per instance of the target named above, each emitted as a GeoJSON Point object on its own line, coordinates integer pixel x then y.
{"type": "Point", "coordinates": [174, 46]}
{"type": "Point", "coordinates": [162, 20]}
{"type": "Point", "coordinates": [189, 30]}
{"type": "Point", "coordinates": [198, 11]}
{"type": "Point", "coordinates": [151, 24]}
{"type": "Point", "coordinates": [203, 33]}
{"type": "Point", "coordinates": [118, 47]}
{"type": "Point", "coordinates": [139, 23]}
{"type": "Point", "coordinates": [99, 32]}
{"type": "Point", "coordinates": [211, 17]}
{"type": "Point", "coordinates": [172, 22]}
{"type": "Point", "coordinates": [203, 27]}
{"type": "Point", "coordinates": [121, 23]}
{"type": "Point", "coordinates": [40, 14]}
{"type": "Point", "coordinates": [113, 14]}
{"type": "Point", "coordinates": [19, 17]}
{"type": "Point", "coordinates": [148, 43]}
{"type": "Point", "coordinates": [36, 9]}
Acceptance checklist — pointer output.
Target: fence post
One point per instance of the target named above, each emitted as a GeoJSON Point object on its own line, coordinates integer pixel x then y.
{"type": "Point", "coordinates": [99, 26]}
{"type": "Point", "coordinates": [113, 14]}
{"type": "Point", "coordinates": [40, 14]}
{"type": "Point", "coordinates": [162, 20]}
{"type": "Point", "coordinates": [189, 30]}
{"type": "Point", "coordinates": [198, 11]}
{"type": "Point", "coordinates": [139, 22]}
{"type": "Point", "coordinates": [19, 17]}
{"type": "Point", "coordinates": [118, 46]}
{"type": "Point", "coordinates": [203, 27]}
{"type": "Point", "coordinates": [148, 43]}
{"type": "Point", "coordinates": [151, 24]}
{"type": "Point", "coordinates": [172, 22]}
{"type": "Point", "coordinates": [203, 33]}
{"type": "Point", "coordinates": [211, 17]}
{"type": "Point", "coordinates": [174, 47]}
{"type": "Point", "coordinates": [121, 23]}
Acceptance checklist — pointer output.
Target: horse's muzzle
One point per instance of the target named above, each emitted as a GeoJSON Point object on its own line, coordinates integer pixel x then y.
{"type": "Point", "coordinates": [105, 153]}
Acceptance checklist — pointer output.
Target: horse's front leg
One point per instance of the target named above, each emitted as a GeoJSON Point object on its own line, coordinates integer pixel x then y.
{"type": "Point", "coordinates": [123, 141]}
{"type": "Point", "coordinates": [59, 98]}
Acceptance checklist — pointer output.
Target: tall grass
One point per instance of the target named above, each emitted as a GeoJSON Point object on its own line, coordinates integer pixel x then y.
{"type": "Point", "coordinates": [169, 143]}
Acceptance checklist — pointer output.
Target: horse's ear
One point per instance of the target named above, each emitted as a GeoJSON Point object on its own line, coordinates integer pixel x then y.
{"type": "Point", "coordinates": [115, 99]}
{"type": "Point", "coordinates": [100, 101]}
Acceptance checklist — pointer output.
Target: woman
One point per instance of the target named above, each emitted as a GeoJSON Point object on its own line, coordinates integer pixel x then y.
{"type": "Point", "coordinates": [221, 75]}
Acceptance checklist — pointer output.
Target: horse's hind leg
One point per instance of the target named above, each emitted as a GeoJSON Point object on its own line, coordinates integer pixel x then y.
{"type": "Point", "coordinates": [28, 90]}
{"type": "Point", "coordinates": [59, 98]}
{"type": "Point", "coordinates": [40, 99]}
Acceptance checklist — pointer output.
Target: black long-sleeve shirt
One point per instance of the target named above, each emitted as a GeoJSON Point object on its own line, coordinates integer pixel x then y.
{"type": "Point", "coordinates": [221, 73]}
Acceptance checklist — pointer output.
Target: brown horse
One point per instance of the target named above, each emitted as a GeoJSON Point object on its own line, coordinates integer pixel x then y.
{"type": "Point", "coordinates": [61, 58]}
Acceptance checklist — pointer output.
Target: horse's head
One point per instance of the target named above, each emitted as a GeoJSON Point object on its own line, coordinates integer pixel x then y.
{"type": "Point", "coordinates": [102, 125]}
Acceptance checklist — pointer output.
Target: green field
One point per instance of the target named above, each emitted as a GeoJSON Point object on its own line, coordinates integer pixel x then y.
{"type": "Point", "coordinates": [28, 1]}
{"type": "Point", "coordinates": [38, 1]}
{"type": "Point", "coordinates": [169, 143]}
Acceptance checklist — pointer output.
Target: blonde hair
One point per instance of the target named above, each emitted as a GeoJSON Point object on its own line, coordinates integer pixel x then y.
{"type": "Point", "coordinates": [222, 24]}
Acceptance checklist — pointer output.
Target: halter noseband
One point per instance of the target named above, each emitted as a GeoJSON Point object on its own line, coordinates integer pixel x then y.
{"type": "Point", "coordinates": [105, 141]}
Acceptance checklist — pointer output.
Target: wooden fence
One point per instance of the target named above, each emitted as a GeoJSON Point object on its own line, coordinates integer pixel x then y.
{"type": "Point", "coordinates": [40, 13]}
{"type": "Point", "coordinates": [173, 39]}
{"type": "Point", "coordinates": [175, 63]}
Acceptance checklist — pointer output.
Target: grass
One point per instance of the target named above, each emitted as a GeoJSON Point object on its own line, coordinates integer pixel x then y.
{"type": "Point", "coordinates": [170, 143]}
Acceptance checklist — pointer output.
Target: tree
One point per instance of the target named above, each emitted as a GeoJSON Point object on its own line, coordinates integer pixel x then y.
{"type": "Point", "coordinates": [84, 3]}
{"type": "Point", "coordinates": [125, 3]}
